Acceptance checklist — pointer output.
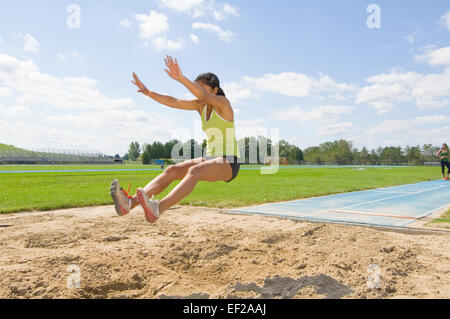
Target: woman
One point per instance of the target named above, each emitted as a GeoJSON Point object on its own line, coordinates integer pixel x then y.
{"type": "Point", "coordinates": [443, 155]}
{"type": "Point", "coordinates": [220, 162]}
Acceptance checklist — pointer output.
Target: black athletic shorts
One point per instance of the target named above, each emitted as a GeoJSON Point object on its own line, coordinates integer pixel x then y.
{"type": "Point", "coordinates": [233, 161]}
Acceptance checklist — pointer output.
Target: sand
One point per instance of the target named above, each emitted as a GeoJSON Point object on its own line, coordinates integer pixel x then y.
{"type": "Point", "coordinates": [194, 252]}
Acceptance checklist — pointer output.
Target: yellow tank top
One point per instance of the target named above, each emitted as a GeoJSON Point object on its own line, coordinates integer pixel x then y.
{"type": "Point", "coordinates": [220, 135]}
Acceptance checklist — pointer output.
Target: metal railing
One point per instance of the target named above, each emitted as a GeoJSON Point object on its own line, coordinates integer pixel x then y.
{"type": "Point", "coordinates": [19, 156]}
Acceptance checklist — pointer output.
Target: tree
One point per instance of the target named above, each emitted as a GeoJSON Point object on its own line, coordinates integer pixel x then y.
{"type": "Point", "coordinates": [267, 151]}
{"type": "Point", "coordinates": [300, 155]}
{"type": "Point", "coordinates": [146, 158]}
{"type": "Point", "coordinates": [168, 148]}
{"type": "Point", "coordinates": [157, 150]}
{"type": "Point", "coordinates": [194, 148]}
{"type": "Point", "coordinates": [413, 155]}
{"type": "Point", "coordinates": [134, 151]}
{"type": "Point", "coordinates": [364, 156]}
{"type": "Point", "coordinates": [391, 155]}
{"type": "Point", "coordinates": [374, 158]}
{"type": "Point", "coordinates": [291, 152]}
{"type": "Point", "coordinates": [312, 154]}
{"type": "Point", "coordinates": [428, 153]}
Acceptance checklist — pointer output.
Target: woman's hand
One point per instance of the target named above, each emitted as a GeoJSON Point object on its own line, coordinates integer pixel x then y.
{"type": "Point", "coordinates": [140, 85]}
{"type": "Point", "coordinates": [174, 69]}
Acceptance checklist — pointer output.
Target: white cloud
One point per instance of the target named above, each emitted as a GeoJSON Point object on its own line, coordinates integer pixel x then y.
{"type": "Point", "coordinates": [4, 92]}
{"type": "Point", "coordinates": [433, 90]}
{"type": "Point", "coordinates": [325, 117]}
{"type": "Point", "coordinates": [230, 10]}
{"type": "Point", "coordinates": [221, 13]}
{"type": "Point", "coordinates": [252, 127]}
{"type": "Point", "coordinates": [71, 112]}
{"type": "Point", "coordinates": [389, 126]}
{"type": "Point", "coordinates": [161, 43]}
{"type": "Point", "coordinates": [152, 25]}
{"type": "Point", "coordinates": [297, 84]}
{"type": "Point", "coordinates": [126, 23]}
{"type": "Point", "coordinates": [198, 8]}
{"type": "Point", "coordinates": [408, 125]}
{"type": "Point", "coordinates": [219, 16]}
{"type": "Point", "coordinates": [109, 131]}
{"type": "Point", "coordinates": [30, 43]}
{"type": "Point", "coordinates": [197, 13]}
{"type": "Point", "coordinates": [384, 97]}
{"type": "Point", "coordinates": [237, 92]}
{"type": "Point", "coordinates": [445, 20]}
{"type": "Point", "coordinates": [286, 83]}
{"type": "Point", "coordinates": [334, 128]}
{"type": "Point", "coordinates": [435, 57]}
{"type": "Point", "coordinates": [16, 110]}
{"type": "Point", "coordinates": [426, 90]}
{"type": "Point", "coordinates": [71, 55]}
{"type": "Point", "coordinates": [225, 36]}
{"type": "Point", "coordinates": [34, 88]}
{"type": "Point", "coordinates": [321, 113]}
{"type": "Point", "coordinates": [181, 5]}
{"type": "Point", "coordinates": [408, 79]}
{"type": "Point", "coordinates": [430, 119]}
{"type": "Point", "coordinates": [194, 38]}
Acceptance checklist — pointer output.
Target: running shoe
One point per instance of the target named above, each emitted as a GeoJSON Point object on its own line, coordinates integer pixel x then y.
{"type": "Point", "coordinates": [150, 206]}
{"type": "Point", "coordinates": [122, 201]}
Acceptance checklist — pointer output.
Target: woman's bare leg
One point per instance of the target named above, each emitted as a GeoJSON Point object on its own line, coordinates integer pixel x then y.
{"type": "Point", "coordinates": [163, 180]}
{"type": "Point", "coordinates": [209, 171]}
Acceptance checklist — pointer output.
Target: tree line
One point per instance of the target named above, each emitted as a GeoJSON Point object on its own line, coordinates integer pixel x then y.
{"type": "Point", "coordinates": [343, 152]}
{"type": "Point", "coordinates": [256, 149]}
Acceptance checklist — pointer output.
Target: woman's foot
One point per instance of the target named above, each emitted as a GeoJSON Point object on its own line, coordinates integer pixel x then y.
{"type": "Point", "coordinates": [150, 206]}
{"type": "Point", "coordinates": [122, 201]}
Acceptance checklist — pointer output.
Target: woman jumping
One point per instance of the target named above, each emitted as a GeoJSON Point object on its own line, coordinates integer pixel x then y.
{"type": "Point", "coordinates": [443, 155]}
{"type": "Point", "coordinates": [220, 162]}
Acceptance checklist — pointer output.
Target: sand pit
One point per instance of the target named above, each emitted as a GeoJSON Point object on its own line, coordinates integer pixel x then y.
{"type": "Point", "coordinates": [193, 252]}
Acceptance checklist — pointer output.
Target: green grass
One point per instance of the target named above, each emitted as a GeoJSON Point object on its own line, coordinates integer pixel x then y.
{"type": "Point", "coordinates": [10, 148]}
{"type": "Point", "coordinates": [52, 167]}
{"type": "Point", "coordinates": [443, 221]}
{"type": "Point", "coordinates": [47, 191]}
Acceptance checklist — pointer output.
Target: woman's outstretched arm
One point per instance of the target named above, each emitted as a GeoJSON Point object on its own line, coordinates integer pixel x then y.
{"type": "Point", "coordinates": [220, 102]}
{"type": "Point", "coordinates": [166, 99]}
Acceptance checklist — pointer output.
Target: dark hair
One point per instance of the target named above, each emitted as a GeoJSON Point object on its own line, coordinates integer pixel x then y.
{"type": "Point", "coordinates": [211, 80]}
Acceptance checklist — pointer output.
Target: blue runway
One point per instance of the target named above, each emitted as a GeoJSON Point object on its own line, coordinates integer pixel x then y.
{"type": "Point", "coordinates": [396, 206]}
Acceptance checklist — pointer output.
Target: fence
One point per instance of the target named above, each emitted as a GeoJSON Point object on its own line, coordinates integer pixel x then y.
{"type": "Point", "coordinates": [364, 163]}
{"type": "Point", "coordinates": [21, 156]}
{"type": "Point", "coordinates": [432, 163]}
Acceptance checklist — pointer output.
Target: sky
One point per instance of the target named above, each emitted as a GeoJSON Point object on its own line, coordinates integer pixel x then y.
{"type": "Point", "coordinates": [376, 73]}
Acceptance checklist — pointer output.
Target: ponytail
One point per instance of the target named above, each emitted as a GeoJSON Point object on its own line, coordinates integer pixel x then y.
{"type": "Point", "coordinates": [220, 92]}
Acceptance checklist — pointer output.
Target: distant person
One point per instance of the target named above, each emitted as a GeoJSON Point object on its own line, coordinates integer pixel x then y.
{"type": "Point", "coordinates": [220, 162]}
{"type": "Point", "coordinates": [443, 156]}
